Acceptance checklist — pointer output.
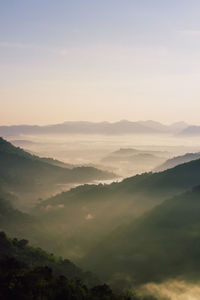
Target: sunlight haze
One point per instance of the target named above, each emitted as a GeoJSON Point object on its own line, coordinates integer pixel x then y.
{"type": "Point", "coordinates": [99, 60]}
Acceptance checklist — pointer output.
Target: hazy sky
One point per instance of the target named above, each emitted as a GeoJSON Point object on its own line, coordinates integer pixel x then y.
{"type": "Point", "coordinates": [99, 60]}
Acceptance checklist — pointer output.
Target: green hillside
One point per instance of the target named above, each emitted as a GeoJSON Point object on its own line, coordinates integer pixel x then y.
{"type": "Point", "coordinates": [162, 244]}
{"type": "Point", "coordinates": [30, 176]}
{"type": "Point", "coordinates": [28, 273]}
{"type": "Point", "coordinates": [86, 214]}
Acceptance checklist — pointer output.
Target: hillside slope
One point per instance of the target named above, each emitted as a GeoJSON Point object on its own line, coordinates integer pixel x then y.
{"type": "Point", "coordinates": [162, 244]}
{"type": "Point", "coordinates": [32, 177]}
{"type": "Point", "coordinates": [178, 160]}
{"type": "Point", "coordinates": [86, 214]}
{"type": "Point", "coordinates": [20, 250]}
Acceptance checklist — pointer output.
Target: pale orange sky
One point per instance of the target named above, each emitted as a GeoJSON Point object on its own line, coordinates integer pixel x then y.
{"type": "Point", "coordinates": [98, 61]}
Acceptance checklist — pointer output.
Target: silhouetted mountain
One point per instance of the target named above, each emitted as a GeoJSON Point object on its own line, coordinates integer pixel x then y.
{"type": "Point", "coordinates": [178, 160]}
{"type": "Point", "coordinates": [56, 162]}
{"type": "Point", "coordinates": [35, 257]}
{"type": "Point", "coordinates": [15, 147]}
{"type": "Point", "coordinates": [121, 127]}
{"type": "Point", "coordinates": [174, 128]}
{"type": "Point", "coordinates": [19, 224]}
{"type": "Point", "coordinates": [154, 125]}
{"type": "Point", "coordinates": [191, 131]}
{"type": "Point", "coordinates": [22, 173]}
{"type": "Point", "coordinates": [23, 267]}
{"type": "Point", "coordinates": [162, 244]}
{"type": "Point", "coordinates": [12, 220]}
{"type": "Point", "coordinates": [100, 209]}
{"type": "Point", "coordinates": [129, 161]}
{"type": "Point", "coordinates": [29, 273]}
{"type": "Point", "coordinates": [129, 152]}
{"type": "Point", "coordinates": [178, 126]}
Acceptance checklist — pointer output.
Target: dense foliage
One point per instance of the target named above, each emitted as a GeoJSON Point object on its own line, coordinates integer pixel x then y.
{"type": "Point", "coordinates": [99, 210]}
{"type": "Point", "coordinates": [20, 250]}
{"type": "Point", "coordinates": [27, 273]}
{"type": "Point", "coordinates": [162, 244]}
{"type": "Point", "coordinates": [23, 173]}
{"type": "Point", "coordinates": [103, 227]}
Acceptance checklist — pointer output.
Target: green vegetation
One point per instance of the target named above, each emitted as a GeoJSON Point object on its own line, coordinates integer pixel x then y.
{"type": "Point", "coordinates": [84, 216]}
{"type": "Point", "coordinates": [145, 228]}
{"type": "Point", "coordinates": [12, 220]}
{"type": "Point", "coordinates": [27, 273]}
{"type": "Point", "coordinates": [20, 250]}
{"type": "Point", "coordinates": [162, 244]}
{"type": "Point", "coordinates": [31, 177]}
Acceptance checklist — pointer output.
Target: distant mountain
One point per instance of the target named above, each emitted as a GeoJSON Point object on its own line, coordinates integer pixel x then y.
{"type": "Point", "coordinates": [155, 125]}
{"type": "Point", "coordinates": [163, 244]}
{"type": "Point", "coordinates": [107, 128]}
{"type": "Point", "coordinates": [100, 209]}
{"type": "Point", "coordinates": [131, 155]}
{"type": "Point", "coordinates": [178, 126]}
{"type": "Point", "coordinates": [127, 152]}
{"type": "Point", "coordinates": [190, 131]}
{"type": "Point", "coordinates": [129, 161]}
{"type": "Point", "coordinates": [173, 128]}
{"type": "Point", "coordinates": [178, 160]}
{"type": "Point", "coordinates": [33, 177]}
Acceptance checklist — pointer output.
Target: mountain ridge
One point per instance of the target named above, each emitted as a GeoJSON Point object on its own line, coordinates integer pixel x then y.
{"type": "Point", "coordinates": [22, 172]}
{"type": "Point", "coordinates": [84, 127]}
{"type": "Point", "coordinates": [162, 244]}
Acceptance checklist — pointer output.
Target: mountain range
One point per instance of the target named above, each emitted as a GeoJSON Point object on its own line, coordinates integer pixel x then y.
{"type": "Point", "coordinates": [144, 228]}
{"type": "Point", "coordinates": [131, 161]}
{"type": "Point", "coordinates": [107, 128]}
{"type": "Point", "coordinates": [99, 209]}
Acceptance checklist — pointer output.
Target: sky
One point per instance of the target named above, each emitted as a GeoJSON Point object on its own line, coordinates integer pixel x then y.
{"type": "Point", "coordinates": [99, 60]}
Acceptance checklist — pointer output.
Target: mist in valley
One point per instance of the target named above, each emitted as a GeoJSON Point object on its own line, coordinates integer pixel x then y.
{"type": "Point", "coordinates": [171, 290]}
{"type": "Point", "coordinates": [99, 150]}
{"type": "Point", "coordinates": [101, 202]}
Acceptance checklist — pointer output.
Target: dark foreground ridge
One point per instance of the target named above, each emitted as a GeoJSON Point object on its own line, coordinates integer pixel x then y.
{"type": "Point", "coordinates": [27, 273]}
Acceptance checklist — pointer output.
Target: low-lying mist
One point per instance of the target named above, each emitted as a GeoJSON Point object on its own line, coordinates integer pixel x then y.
{"type": "Point", "coordinates": [124, 226]}
{"type": "Point", "coordinates": [171, 290]}
{"type": "Point", "coordinates": [97, 150]}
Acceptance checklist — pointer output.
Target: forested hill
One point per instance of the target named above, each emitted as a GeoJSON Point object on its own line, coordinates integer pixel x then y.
{"type": "Point", "coordinates": [162, 244]}
{"type": "Point", "coordinates": [24, 173]}
{"type": "Point", "coordinates": [100, 209]}
{"type": "Point", "coordinates": [20, 250]}
{"type": "Point", "coordinates": [158, 185]}
{"type": "Point", "coordinates": [27, 273]}
{"type": "Point", "coordinates": [177, 160]}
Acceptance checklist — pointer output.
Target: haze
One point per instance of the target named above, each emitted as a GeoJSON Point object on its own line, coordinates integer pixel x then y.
{"type": "Point", "coordinates": [100, 150]}
{"type": "Point", "coordinates": [99, 60]}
